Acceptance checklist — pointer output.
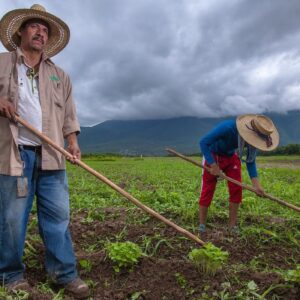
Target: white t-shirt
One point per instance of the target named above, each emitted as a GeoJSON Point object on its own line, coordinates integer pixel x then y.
{"type": "Point", "coordinates": [29, 107]}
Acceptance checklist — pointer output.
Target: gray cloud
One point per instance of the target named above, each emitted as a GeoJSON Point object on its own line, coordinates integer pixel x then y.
{"type": "Point", "coordinates": [150, 59]}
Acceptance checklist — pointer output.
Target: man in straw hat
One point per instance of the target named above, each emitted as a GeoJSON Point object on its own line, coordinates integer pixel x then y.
{"type": "Point", "coordinates": [223, 149]}
{"type": "Point", "coordinates": [34, 88]}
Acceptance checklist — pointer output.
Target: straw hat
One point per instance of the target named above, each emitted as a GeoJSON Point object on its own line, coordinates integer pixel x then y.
{"type": "Point", "coordinates": [59, 33]}
{"type": "Point", "coordinates": [259, 131]}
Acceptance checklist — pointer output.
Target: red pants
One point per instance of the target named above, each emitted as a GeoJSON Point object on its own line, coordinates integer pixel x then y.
{"type": "Point", "coordinates": [231, 166]}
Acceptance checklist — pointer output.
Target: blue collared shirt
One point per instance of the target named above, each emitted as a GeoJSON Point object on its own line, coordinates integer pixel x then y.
{"type": "Point", "coordinates": [224, 140]}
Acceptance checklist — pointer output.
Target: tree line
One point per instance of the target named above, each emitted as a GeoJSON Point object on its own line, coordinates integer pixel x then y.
{"type": "Point", "coordinates": [290, 149]}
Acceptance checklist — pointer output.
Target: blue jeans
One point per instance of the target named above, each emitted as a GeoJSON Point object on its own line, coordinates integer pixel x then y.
{"type": "Point", "coordinates": [52, 196]}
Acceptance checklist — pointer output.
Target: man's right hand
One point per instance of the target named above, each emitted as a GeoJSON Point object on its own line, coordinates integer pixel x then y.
{"type": "Point", "coordinates": [7, 109]}
{"type": "Point", "coordinates": [214, 169]}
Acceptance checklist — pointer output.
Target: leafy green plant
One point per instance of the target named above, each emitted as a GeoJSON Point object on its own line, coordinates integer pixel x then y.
{"type": "Point", "coordinates": [16, 295]}
{"type": "Point", "coordinates": [151, 245]}
{"type": "Point", "coordinates": [123, 254]}
{"type": "Point", "coordinates": [209, 259]}
{"type": "Point", "coordinates": [293, 275]}
{"type": "Point", "coordinates": [182, 282]}
{"type": "Point", "coordinates": [86, 265]}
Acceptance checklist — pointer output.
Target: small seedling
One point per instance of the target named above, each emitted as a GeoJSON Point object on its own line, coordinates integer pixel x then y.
{"type": "Point", "coordinates": [293, 275]}
{"type": "Point", "coordinates": [86, 265]}
{"type": "Point", "coordinates": [123, 254]}
{"type": "Point", "coordinates": [181, 280]}
{"type": "Point", "coordinates": [44, 288]}
{"type": "Point", "coordinates": [209, 259]}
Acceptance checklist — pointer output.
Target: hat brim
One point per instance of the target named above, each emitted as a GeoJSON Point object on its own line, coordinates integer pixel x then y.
{"type": "Point", "coordinates": [12, 21]}
{"type": "Point", "coordinates": [251, 137]}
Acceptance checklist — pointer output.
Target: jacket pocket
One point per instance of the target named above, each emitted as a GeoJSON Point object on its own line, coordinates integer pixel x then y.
{"type": "Point", "coordinates": [4, 85]}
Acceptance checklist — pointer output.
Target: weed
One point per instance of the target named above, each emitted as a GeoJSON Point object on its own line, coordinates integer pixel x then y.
{"type": "Point", "coordinates": [293, 275]}
{"type": "Point", "coordinates": [151, 244]}
{"type": "Point", "coordinates": [86, 265]}
{"type": "Point", "coordinates": [249, 292]}
{"type": "Point", "coordinates": [45, 288]}
{"type": "Point", "coordinates": [182, 282]}
{"type": "Point", "coordinates": [17, 295]}
{"type": "Point", "coordinates": [30, 255]}
{"type": "Point", "coordinates": [137, 295]}
{"type": "Point", "coordinates": [59, 295]}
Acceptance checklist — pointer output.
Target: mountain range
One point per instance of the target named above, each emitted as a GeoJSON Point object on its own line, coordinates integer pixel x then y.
{"type": "Point", "coordinates": [151, 137]}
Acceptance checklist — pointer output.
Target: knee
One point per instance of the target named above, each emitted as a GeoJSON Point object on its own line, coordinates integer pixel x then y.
{"type": "Point", "coordinates": [205, 201]}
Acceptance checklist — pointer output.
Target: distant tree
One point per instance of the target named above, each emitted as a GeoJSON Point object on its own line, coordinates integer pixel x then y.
{"type": "Point", "coordinates": [290, 149]}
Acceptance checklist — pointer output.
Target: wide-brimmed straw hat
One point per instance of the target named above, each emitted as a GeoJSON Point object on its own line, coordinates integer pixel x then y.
{"type": "Point", "coordinates": [259, 131]}
{"type": "Point", "coordinates": [59, 32]}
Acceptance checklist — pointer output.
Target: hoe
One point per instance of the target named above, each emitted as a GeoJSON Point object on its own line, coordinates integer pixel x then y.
{"type": "Point", "coordinates": [111, 184]}
{"type": "Point", "coordinates": [207, 259]}
{"type": "Point", "coordinates": [244, 186]}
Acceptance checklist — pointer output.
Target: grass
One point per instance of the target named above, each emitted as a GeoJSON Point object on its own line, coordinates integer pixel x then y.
{"type": "Point", "coordinates": [170, 185]}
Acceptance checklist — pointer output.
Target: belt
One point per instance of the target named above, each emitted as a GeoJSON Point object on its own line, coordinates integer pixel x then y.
{"type": "Point", "coordinates": [36, 149]}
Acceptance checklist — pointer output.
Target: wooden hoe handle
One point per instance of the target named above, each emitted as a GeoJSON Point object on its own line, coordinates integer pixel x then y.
{"type": "Point", "coordinates": [244, 186]}
{"type": "Point", "coordinates": [111, 184]}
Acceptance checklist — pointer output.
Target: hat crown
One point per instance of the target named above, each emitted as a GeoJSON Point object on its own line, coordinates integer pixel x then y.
{"type": "Point", "coordinates": [13, 20]}
{"type": "Point", "coordinates": [258, 131]}
{"type": "Point", "coordinates": [38, 7]}
{"type": "Point", "coordinates": [263, 125]}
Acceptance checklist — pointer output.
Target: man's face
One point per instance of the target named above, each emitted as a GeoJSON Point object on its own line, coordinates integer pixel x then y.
{"type": "Point", "coordinates": [34, 35]}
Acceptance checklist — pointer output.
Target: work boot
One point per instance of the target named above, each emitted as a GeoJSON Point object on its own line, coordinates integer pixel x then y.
{"type": "Point", "coordinates": [17, 285]}
{"type": "Point", "coordinates": [77, 288]}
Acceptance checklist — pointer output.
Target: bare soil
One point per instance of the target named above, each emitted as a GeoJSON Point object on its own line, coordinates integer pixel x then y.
{"type": "Point", "coordinates": [158, 276]}
{"type": "Point", "coordinates": [288, 164]}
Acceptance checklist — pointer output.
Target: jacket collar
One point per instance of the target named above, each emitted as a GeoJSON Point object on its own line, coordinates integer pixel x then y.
{"type": "Point", "coordinates": [20, 57]}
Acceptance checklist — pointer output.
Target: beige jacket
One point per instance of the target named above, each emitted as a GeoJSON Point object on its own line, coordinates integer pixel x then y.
{"type": "Point", "coordinates": [58, 113]}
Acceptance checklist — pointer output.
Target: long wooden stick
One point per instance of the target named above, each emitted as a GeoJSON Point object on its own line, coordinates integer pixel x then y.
{"type": "Point", "coordinates": [111, 184]}
{"type": "Point", "coordinates": [244, 186]}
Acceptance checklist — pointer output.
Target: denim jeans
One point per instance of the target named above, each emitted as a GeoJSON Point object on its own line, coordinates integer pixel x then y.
{"type": "Point", "coordinates": [52, 197]}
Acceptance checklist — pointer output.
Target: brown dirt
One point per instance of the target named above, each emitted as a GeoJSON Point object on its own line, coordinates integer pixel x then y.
{"type": "Point", "coordinates": [156, 277]}
{"type": "Point", "coordinates": [289, 164]}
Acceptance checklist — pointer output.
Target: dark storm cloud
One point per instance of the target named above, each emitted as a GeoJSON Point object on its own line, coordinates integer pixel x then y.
{"type": "Point", "coordinates": [147, 59]}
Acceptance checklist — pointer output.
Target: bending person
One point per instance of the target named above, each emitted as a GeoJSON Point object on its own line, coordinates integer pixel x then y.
{"type": "Point", "coordinates": [223, 148]}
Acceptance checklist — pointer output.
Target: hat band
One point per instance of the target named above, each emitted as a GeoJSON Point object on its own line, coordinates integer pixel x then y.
{"type": "Point", "coordinates": [266, 137]}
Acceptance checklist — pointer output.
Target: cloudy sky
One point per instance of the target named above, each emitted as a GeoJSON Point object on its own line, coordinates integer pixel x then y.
{"type": "Point", "coordinates": [149, 59]}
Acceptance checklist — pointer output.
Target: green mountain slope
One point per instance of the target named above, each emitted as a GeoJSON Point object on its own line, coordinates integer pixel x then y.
{"type": "Point", "coordinates": [151, 137]}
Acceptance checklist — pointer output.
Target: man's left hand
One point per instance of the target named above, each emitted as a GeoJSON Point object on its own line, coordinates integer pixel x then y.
{"type": "Point", "coordinates": [73, 148]}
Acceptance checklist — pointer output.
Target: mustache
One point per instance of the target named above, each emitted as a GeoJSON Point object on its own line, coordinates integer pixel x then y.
{"type": "Point", "coordinates": [38, 37]}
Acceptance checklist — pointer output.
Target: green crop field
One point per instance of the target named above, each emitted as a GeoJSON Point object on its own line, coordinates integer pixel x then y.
{"type": "Point", "coordinates": [264, 260]}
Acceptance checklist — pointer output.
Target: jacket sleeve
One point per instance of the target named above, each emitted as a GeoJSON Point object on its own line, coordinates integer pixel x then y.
{"type": "Point", "coordinates": [71, 123]}
{"type": "Point", "coordinates": [209, 139]}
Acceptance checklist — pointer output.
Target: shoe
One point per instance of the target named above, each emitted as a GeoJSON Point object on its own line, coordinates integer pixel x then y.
{"type": "Point", "coordinates": [202, 228]}
{"type": "Point", "coordinates": [77, 288]}
{"type": "Point", "coordinates": [18, 285]}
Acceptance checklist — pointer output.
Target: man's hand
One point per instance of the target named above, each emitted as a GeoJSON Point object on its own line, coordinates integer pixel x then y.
{"type": "Point", "coordinates": [73, 148]}
{"type": "Point", "coordinates": [214, 169]}
{"type": "Point", "coordinates": [258, 188]}
{"type": "Point", "coordinates": [7, 109]}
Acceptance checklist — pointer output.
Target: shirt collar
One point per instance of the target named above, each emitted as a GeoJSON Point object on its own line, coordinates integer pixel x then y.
{"type": "Point", "coordinates": [20, 57]}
